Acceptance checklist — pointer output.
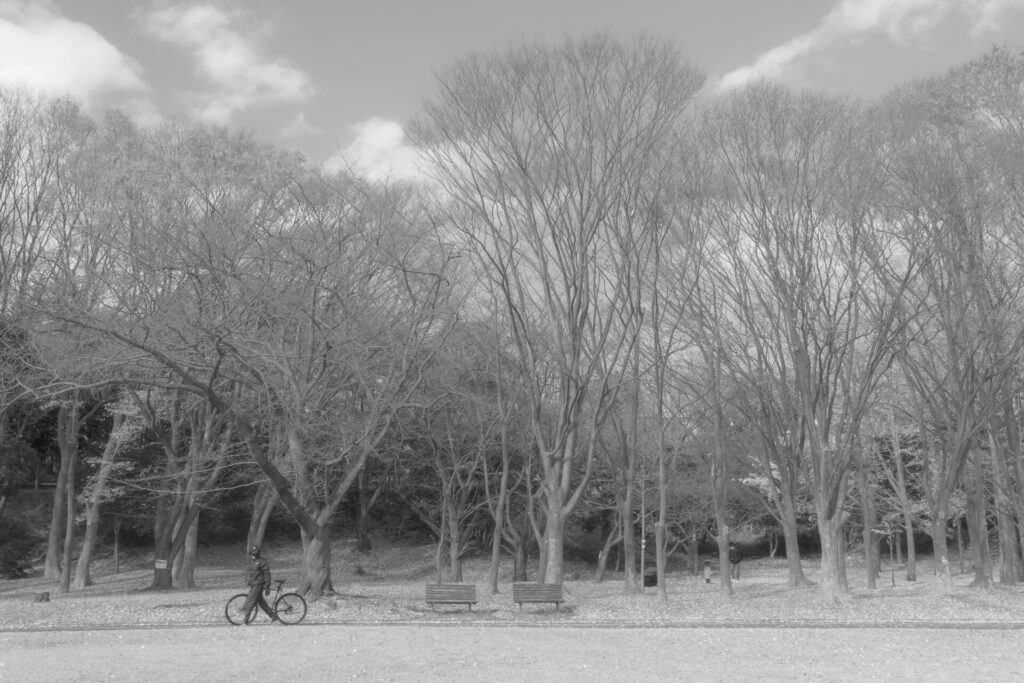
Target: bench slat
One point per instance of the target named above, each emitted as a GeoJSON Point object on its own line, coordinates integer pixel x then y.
{"type": "Point", "coordinates": [537, 593]}
{"type": "Point", "coordinates": [451, 594]}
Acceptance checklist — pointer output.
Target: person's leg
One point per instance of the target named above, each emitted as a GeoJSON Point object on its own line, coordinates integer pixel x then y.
{"type": "Point", "coordinates": [255, 597]}
{"type": "Point", "coordinates": [265, 607]}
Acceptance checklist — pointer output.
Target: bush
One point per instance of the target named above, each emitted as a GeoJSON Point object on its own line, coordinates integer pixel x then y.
{"type": "Point", "coordinates": [18, 545]}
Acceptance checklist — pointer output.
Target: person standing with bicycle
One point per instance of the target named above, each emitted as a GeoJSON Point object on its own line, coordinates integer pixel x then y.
{"type": "Point", "coordinates": [259, 585]}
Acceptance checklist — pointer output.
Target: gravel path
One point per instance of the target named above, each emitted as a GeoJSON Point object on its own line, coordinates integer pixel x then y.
{"type": "Point", "coordinates": [499, 653]}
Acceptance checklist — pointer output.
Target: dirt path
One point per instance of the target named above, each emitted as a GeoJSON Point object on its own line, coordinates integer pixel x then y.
{"type": "Point", "coordinates": [404, 653]}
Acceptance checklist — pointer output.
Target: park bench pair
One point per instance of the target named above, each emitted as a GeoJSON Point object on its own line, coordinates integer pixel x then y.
{"type": "Point", "coordinates": [465, 594]}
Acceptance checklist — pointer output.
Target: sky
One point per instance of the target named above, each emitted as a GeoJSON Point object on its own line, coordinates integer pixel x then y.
{"type": "Point", "coordinates": [338, 79]}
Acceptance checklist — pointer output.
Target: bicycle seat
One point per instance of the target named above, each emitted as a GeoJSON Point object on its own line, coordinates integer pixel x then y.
{"type": "Point", "coordinates": [279, 582]}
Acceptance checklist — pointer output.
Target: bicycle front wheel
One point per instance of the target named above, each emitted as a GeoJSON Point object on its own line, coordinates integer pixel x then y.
{"type": "Point", "coordinates": [235, 609]}
{"type": "Point", "coordinates": [290, 608]}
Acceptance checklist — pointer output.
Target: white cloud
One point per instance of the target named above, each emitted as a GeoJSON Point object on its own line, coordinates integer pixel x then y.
{"type": "Point", "coordinates": [231, 62]}
{"type": "Point", "coordinates": [299, 127]}
{"type": "Point", "coordinates": [42, 50]}
{"type": "Point", "coordinates": [379, 151]}
{"type": "Point", "coordinates": [902, 21]}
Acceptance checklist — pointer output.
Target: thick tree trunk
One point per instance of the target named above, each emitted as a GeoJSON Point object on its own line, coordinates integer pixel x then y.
{"type": "Point", "coordinates": [725, 569]}
{"type": "Point", "coordinates": [791, 535]}
{"type": "Point", "coordinates": [554, 542]}
{"type": "Point", "coordinates": [316, 562]}
{"type": "Point", "coordinates": [834, 588]}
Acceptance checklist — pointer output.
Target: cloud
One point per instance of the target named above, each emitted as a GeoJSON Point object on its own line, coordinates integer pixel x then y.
{"type": "Point", "coordinates": [379, 152]}
{"type": "Point", "coordinates": [902, 21]}
{"type": "Point", "coordinates": [232, 63]}
{"type": "Point", "coordinates": [42, 50]}
{"type": "Point", "coordinates": [299, 127]}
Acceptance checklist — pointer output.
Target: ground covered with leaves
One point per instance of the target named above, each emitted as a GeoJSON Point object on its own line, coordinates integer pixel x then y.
{"type": "Point", "coordinates": [386, 586]}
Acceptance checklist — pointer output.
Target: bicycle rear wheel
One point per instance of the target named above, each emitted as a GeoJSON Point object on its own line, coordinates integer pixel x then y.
{"type": "Point", "coordinates": [235, 609]}
{"type": "Point", "coordinates": [290, 608]}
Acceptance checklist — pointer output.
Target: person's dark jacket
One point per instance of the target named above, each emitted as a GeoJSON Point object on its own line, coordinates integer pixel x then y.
{"type": "Point", "coordinates": [735, 556]}
{"type": "Point", "coordinates": [259, 573]}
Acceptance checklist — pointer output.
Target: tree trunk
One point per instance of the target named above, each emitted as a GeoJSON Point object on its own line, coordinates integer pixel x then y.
{"type": "Point", "coordinates": [92, 517]}
{"type": "Point", "coordinates": [454, 545]}
{"type": "Point", "coordinates": [632, 583]}
{"type": "Point", "coordinates": [316, 562]}
{"type": "Point", "coordinates": [69, 525]}
{"type": "Point", "coordinates": [725, 571]}
{"type": "Point", "coordinates": [977, 527]}
{"type": "Point", "coordinates": [834, 588]}
{"type": "Point", "coordinates": [184, 574]}
{"type": "Point", "coordinates": [51, 568]}
{"type": "Point", "coordinates": [94, 502]}
{"type": "Point", "coordinates": [941, 550]}
{"type": "Point", "coordinates": [791, 536]}
{"type": "Point", "coordinates": [262, 508]}
{"type": "Point", "coordinates": [868, 521]}
{"type": "Point", "coordinates": [554, 541]}
{"type": "Point", "coordinates": [908, 517]}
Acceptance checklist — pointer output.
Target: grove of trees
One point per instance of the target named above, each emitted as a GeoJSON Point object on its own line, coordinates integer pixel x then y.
{"type": "Point", "coordinates": [614, 298]}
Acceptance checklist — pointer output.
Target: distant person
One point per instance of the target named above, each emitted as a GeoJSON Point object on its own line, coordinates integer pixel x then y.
{"type": "Point", "coordinates": [259, 585]}
{"type": "Point", "coordinates": [735, 557]}
{"type": "Point", "coordinates": [707, 571]}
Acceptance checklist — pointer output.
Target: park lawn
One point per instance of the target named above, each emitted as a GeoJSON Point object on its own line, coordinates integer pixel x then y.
{"type": "Point", "coordinates": [386, 586]}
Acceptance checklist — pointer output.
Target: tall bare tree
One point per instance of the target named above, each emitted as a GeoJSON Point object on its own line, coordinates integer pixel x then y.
{"type": "Point", "coordinates": [545, 155]}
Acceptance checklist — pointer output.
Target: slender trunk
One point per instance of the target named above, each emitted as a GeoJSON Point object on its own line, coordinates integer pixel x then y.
{"type": "Point", "coordinates": [454, 544]}
{"type": "Point", "coordinates": [69, 525]}
{"type": "Point", "coordinates": [185, 562]}
{"type": "Point", "coordinates": [631, 582]}
{"type": "Point", "coordinates": [93, 504]}
{"type": "Point", "coordinates": [51, 568]}
{"type": "Point", "coordinates": [977, 526]}
{"type": "Point", "coordinates": [82, 577]}
{"type": "Point", "coordinates": [868, 515]}
{"type": "Point", "coordinates": [941, 549]}
{"type": "Point", "coordinates": [262, 508]}
{"type": "Point", "coordinates": [613, 536]}
{"type": "Point", "coordinates": [363, 504]}
{"type": "Point", "coordinates": [908, 517]}
{"type": "Point", "coordinates": [498, 513]}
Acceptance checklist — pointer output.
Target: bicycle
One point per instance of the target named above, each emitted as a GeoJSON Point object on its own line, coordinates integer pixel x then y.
{"type": "Point", "coordinates": [290, 608]}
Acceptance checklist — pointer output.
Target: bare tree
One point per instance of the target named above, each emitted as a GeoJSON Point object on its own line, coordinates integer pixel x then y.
{"type": "Point", "coordinates": [800, 179]}
{"type": "Point", "coordinates": [545, 156]}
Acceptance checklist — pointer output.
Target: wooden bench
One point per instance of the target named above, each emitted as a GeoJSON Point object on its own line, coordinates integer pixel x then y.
{"type": "Point", "coordinates": [451, 594]}
{"type": "Point", "coordinates": [537, 593]}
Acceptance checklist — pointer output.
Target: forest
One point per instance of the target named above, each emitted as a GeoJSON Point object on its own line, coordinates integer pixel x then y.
{"type": "Point", "coordinates": [614, 299]}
